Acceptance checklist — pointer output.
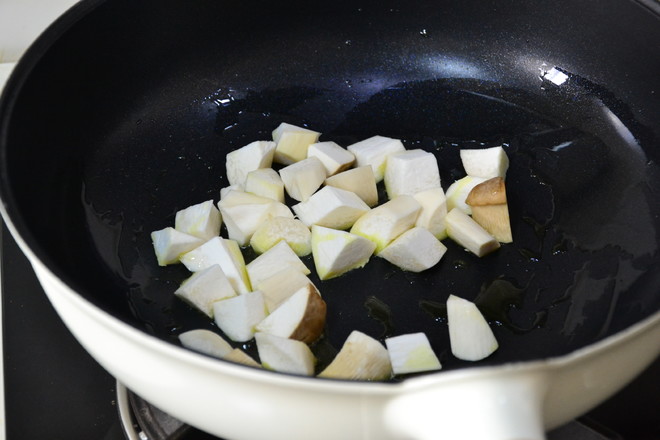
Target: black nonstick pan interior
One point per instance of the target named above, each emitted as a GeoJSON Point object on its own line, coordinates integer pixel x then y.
{"type": "Point", "coordinates": [123, 113]}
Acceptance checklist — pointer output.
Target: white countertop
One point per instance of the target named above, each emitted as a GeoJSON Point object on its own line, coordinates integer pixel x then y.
{"type": "Point", "coordinates": [21, 22]}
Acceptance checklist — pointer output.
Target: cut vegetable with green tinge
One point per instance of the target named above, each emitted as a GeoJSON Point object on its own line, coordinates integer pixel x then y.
{"type": "Point", "coordinates": [333, 157]}
{"type": "Point", "coordinates": [292, 143]}
{"type": "Point", "coordinates": [374, 152]}
{"type": "Point", "coordinates": [360, 358]}
{"type": "Point", "coordinates": [204, 288]}
{"type": "Point", "coordinates": [170, 244]}
{"type": "Point", "coordinates": [458, 192]}
{"type": "Point", "coordinates": [360, 181]}
{"type": "Point", "coordinates": [470, 336]}
{"type": "Point", "coordinates": [337, 252]}
{"type": "Point", "coordinates": [225, 253]}
{"type": "Point", "coordinates": [292, 231]}
{"type": "Point", "coordinates": [303, 178]}
{"type": "Point", "coordinates": [281, 285]}
{"type": "Point", "coordinates": [275, 259]}
{"type": "Point", "coordinates": [411, 353]}
{"type": "Point", "coordinates": [205, 342]}
{"type": "Point", "coordinates": [415, 250]}
{"type": "Point", "coordinates": [386, 222]}
{"type": "Point", "coordinates": [240, 162]}
{"type": "Point", "coordinates": [265, 182]}
{"type": "Point", "coordinates": [331, 207]}
{"type": "Point", "coordinates": [285, 355]}
{"type": "Point", "coordinates": [238, 317]}
{"type": "Point", "coordinates": [238, 356]}
{"type": "Point", "coordinates": [433, 213]}
{"type": "Point", "coordinates": [202, 220]}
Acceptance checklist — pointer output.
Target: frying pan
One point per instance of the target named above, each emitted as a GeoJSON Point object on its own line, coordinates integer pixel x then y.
{"type": "Point", "coordinates": [122, 113]}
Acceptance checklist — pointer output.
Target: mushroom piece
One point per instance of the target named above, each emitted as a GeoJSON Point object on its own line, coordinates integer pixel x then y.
{"type": "Point", "coordinates": [490, 208]}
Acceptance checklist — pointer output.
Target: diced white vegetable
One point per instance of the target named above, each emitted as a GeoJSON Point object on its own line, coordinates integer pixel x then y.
{"type": "Point", "coordinates": [265, 182]}
{"type": "Point", "coordinates": [360, 358]}
{"type": "Point", "coordinates": [333, 157]}
{"type": "Point", "coordinates": [281, 285]}
{"type": "Point", "coordinates": [469, 234]}
{"type": "Point", "coordinates": [277, 229]}
{"type": "Point", "coordinates": [169, 244]}
{"type": "Point", "coordinates": [434, 210]}
{"type": "Point", "coordinates": [374, 151]}
{"type": "Point", "coordinates": [292, 143]}
{"type": "Point", "coordinates": [244, 212]}
{"type": "Point", "coordinates": [387, 221]}
{"type": "Point", "coordinates": [240, 357]}
{"type": "Point", "coordinates": [204, 288]}
{"type": "Point", "coordinates": [225, 253]}
{"type": "Point", "coordinates": [470, 336]}
{"type": "Point", "coordinates": [300, 317]}
{"type": "Point", "coordinates": [415, 250]}
{"type": "Point", "coordinates": [303, 178]}
{"type": "Point", "coordinates": [485, 162]}
{"type": "Point", "coordinates": [224, 191]}
{"type": "Point", "coordinates": [411, 353]}
{"type": "Point", "coordinates": [255, 155]}
{"type": "Point", "coordinates": [331, 207]}
{"type": "Point", "coordinates": [233, 197]}
{"type": "Point", "coordinates": [275, 259]}
{"type": "Point", "coordinates": [202, 220]}
{"type": "Point", "coordinates": [242, 221]}
{"type": "Point", "coordinates": [337, 252]}
{"type": "Point", "coordinates": [205, 342]}
{"type": "Point", "coordinates": [458, 192]}
{"type": "Point", "coordinates": [285, 355]}
{"type": "Point", "coordinates": [237, 317]}
{"type": "Point", "coordinates": [411, 171]}
{"type": "Point", "coordinates": [360, 181]}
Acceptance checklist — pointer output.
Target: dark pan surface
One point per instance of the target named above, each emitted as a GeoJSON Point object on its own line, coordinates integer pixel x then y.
{"type": "Point", "coordinates": [115, 124]}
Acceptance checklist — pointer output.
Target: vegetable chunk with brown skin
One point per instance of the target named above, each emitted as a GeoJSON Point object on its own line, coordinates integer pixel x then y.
{"type": "Point", "coordinates": [490, 208]}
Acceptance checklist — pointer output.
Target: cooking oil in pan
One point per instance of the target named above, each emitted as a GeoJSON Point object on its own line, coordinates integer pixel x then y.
{"type": "Point", "coordinates": [583, 214]}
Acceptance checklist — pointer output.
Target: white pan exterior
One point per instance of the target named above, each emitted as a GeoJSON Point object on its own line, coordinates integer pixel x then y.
{"type": "Point", "coordinates": [514, 401]}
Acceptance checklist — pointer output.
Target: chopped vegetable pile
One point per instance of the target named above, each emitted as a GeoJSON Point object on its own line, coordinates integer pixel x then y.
{"type": "Point", "coordinates": [338, 220]}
